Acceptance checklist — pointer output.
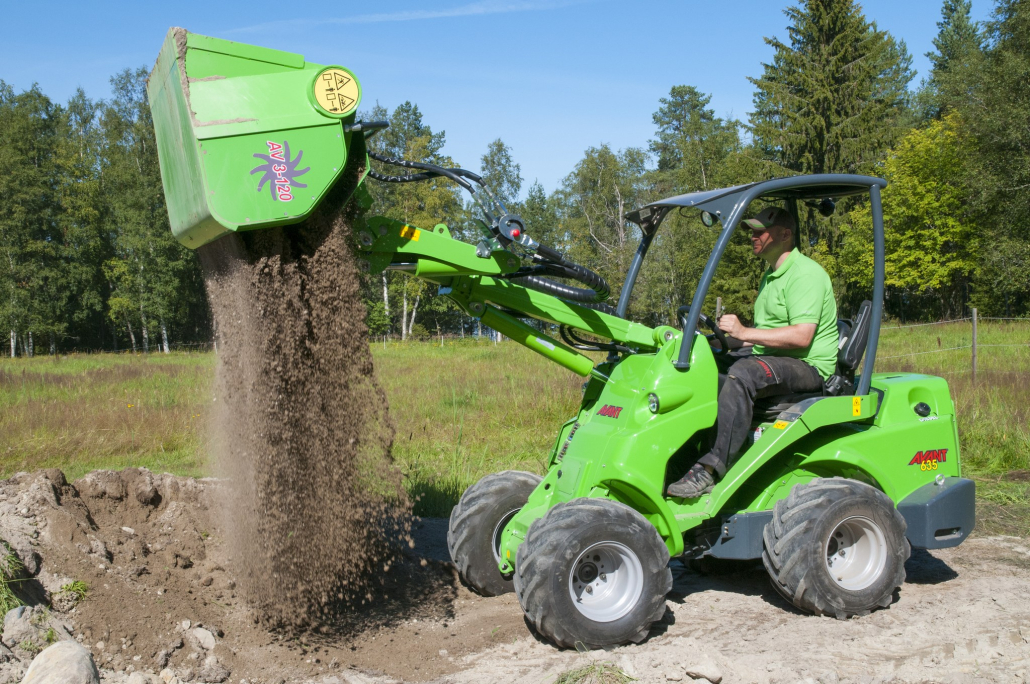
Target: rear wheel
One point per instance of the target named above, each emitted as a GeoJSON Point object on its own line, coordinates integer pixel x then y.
{"type": "Point", "coordinates": [592, 572]}
{"type": "Point", "coordinates": [476, 524]}
{"type": "Point", "coordinates": [836, 547]}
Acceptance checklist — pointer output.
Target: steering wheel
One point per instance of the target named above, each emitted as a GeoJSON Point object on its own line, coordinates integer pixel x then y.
{"type": "Point", "coordinates": [717, 334]}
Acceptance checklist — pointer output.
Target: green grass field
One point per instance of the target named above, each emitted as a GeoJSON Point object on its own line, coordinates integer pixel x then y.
{"type": "Point", "coordinates": [465, 410]}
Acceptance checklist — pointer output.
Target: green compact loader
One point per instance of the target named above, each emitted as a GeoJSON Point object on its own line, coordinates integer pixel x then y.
{"type": "Point", "coordinates": [832, 492]}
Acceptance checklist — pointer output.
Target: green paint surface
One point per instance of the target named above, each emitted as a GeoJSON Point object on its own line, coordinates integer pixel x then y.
{"type": "Point", "coordinates": [237, 101]}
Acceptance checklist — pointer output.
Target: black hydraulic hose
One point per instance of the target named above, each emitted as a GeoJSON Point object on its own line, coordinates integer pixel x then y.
{"type": "Point", "coordinates": [434, 171]}
{"type": "Point", "coordinates": [429, 175]}
{"type": "Point", "coordinates": [438, 170]}
{"type": "Point", "coordinates": [382, 177]}
{"type": "Point", "coordinates": [570, 338]}
{"type": "Point", "coordinates": [597, 289]}
{"type": "Point", "coordinates": [573, 294]}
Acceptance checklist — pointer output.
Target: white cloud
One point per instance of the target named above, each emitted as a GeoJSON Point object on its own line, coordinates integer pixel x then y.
{"type": "Point", "coordinates": [486, 7]}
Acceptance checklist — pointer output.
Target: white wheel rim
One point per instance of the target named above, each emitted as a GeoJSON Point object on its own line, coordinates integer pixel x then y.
{"type": "Point", "coordinates": [499, 530]}
{"type": "Point", "coordinates": [606, 581]}
{"type": "Point", "coordinates": [856, 553]}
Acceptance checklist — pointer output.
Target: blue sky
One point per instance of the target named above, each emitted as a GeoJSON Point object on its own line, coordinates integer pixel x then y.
{"type": "Point", "coordinates": [549, 77]}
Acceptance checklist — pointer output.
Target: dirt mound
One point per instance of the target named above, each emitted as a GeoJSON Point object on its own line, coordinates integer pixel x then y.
{"type": "Point", "coordinates": [101, 550]}
{"type": "Point", "coordinates": [159, 585]}
{"type": "Point", "coordinates": [300, 427]}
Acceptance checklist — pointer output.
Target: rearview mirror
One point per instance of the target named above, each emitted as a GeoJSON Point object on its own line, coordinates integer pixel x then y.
{"type": "Point", "coordinates": [825, 207]}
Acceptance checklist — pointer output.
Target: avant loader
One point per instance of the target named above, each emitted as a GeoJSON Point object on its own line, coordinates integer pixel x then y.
{"type": "Point", "coordinates": [832, 491]}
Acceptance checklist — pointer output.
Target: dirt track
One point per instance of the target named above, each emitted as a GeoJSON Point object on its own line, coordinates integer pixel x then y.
{"type": "Point", "coordinates": [963, 615]}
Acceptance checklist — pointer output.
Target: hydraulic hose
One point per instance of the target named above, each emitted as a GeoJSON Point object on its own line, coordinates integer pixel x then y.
{"type": "Point", "coordinates": [551, 262]}
{"type": "Point", "coordinates": [433, 171]}
{"type": "Point", "coordinates": [570, 338]}
{"type": "Point", "coordinates": [602, 307]}
{"type": "Point", "coordinates": [596, 290]}
{"type": "Point", "coordinates": [372, 173]}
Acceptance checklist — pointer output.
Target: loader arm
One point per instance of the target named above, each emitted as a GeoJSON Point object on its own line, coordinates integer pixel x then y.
{"type": "Point", "coordinates": [475, 280]}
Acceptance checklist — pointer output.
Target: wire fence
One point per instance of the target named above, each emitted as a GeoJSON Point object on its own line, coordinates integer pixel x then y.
{"type": "Point", "coordinates": [919, 353]}
{"type": "Point", "coordinates": [923, 325]}
{"type": "Point", "coordinates": [974, 346]}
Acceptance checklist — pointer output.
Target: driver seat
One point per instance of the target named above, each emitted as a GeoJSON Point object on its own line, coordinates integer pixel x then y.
{"type": "Point", "coordinates": [853, 339]}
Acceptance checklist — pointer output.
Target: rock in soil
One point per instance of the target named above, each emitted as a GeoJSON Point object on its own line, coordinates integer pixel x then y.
{"type": "Point", "coordinates": [205, 638]}
{"type": "Point", "coordinates": [66, 662]}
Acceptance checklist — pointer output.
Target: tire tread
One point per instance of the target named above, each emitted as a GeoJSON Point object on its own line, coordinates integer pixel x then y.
{"type": "Point", "coordinates": [786, 544]}
{"type": "Point", "coordinates": [546, 540]}
{"type": "Point", "coordinates": [466, 518]}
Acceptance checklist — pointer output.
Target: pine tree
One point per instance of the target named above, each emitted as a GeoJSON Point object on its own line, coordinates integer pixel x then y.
{"type": "Point", "coordinates": [690, 141]}
{"type": "Point", "coordinates": [958, 49]}
{"type": "Point", "coordinates": [35, 294]}
{"type": "Point", "coordinates": [833, 97]}
{"type": "Point", "coordinates": [12, 235]}
{"type": "Point", "coordinates": [692, 147]}
{"type": "Point", "coordinates": [501, 173]}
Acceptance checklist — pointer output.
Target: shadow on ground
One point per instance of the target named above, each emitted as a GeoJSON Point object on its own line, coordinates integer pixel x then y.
{"type": "Point", "coordinates": [923, 568]}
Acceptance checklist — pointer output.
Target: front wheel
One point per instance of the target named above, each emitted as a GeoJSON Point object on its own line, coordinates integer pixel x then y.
{"type": "Point", "coordinates": [836, 547]}
{"type": "Point", "coordinates": [592, 572]}
{"type": "Point", "coordinates": [474, 530]}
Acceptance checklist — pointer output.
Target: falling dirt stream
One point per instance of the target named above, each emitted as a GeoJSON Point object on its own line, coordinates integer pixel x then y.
{"type": "Point", "coordinates": [301, 429]}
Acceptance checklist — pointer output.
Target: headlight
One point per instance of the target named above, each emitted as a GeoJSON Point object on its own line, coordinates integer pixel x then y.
{"type": "Point", "coordinates": [652, 402]}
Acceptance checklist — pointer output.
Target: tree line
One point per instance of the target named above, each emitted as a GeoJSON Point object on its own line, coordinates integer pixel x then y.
{"type": "Point", "coordinates": [89, 262]}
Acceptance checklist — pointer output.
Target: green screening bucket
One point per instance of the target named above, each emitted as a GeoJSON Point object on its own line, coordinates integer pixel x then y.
{"type": "Point", "coordinates": [247, 137]}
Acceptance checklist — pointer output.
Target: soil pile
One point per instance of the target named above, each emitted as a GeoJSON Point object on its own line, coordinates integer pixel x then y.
{"type": "Point", "coordinates": [300, 426]}
{"type": "Point", "coordinates": [136, 567]}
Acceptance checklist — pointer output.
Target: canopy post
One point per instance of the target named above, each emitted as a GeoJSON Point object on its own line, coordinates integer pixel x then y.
{"type": "Point", "coordinates": [878, 278]}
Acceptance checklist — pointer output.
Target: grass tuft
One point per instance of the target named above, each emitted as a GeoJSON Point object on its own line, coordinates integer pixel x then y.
{"type": "Point", "coordinates": [10, 569]}
{"type": "Point", "coordinates": [76, 588]}
{"type": "Point", "coordinates": [596, 673]}
{"type": "Point", "coordinates": [30, 647]}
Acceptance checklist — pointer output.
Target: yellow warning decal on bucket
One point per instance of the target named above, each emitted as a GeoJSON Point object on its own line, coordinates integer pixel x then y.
{"type": "Point", "coordinates": [856, 405]}
{"type": "Point", "coordinates": [780, 424]}
{"type": "Point", "coordinates": [336, 91]}
{"type": "Point", "coordinates": [410, 233]}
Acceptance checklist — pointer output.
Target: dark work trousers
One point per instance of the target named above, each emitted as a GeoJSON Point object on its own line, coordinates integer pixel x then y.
{"type": "Point", "coordinates": [747, 379]}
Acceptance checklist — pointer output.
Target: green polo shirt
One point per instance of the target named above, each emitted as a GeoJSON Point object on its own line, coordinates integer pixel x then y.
{"type": "Point", "coordinates": [799, 291]}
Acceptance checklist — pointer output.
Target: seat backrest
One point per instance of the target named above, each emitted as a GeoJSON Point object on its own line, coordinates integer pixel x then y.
{"type": "Point", "coordinates": [853, 341]}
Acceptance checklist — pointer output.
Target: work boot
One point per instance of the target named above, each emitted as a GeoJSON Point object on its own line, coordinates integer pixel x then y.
{"type": "Point", "coordinates": [696, 482]}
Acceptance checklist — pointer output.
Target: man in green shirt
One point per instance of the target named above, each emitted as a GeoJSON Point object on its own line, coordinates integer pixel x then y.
{"type": "Point", "coordinates": [793, 344]}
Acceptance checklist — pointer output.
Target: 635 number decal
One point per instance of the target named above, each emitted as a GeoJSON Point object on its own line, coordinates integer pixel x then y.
{"type": "Point", "coordinates": [928, 460]}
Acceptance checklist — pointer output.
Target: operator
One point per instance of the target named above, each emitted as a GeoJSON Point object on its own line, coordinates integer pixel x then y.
{"type": "Point", "coordinates": [792, 348]}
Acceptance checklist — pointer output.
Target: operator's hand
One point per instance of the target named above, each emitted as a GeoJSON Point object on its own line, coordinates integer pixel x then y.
{"type": "Point", "coordinates": [732, 326]}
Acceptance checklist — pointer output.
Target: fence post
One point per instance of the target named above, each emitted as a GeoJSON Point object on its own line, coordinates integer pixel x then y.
{"type": "Point", "coordinates": [974, 345]}
{"type": "Point", "coordinates": [718, 308]}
